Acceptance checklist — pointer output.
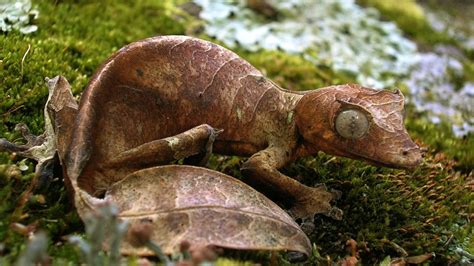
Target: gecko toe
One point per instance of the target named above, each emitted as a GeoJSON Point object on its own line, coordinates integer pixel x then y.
{"type": "Point", "coordinates": [32, 140]}
{"type": "Point", "coordinates": [335, 213]}
{"type": "Point", "coordinates": [315, 201]}
{"type": "Point", "coordinates": [6, 145]}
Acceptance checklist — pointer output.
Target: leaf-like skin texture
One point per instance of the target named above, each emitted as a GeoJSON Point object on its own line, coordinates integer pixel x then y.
{"type": "Point", "coordinates": [166, 98]}
{"type": "Point", "coordinates": [203, 207]}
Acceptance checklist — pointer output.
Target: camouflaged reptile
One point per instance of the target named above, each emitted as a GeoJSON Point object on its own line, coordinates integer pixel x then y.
{"type": "Point", "coordinates": [172, 97]}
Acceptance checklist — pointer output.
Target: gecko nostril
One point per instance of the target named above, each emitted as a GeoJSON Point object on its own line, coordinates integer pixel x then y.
{"type": "Point", "coordinates": [405, 153]}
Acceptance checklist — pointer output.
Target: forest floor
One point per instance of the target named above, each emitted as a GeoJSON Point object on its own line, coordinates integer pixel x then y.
{"type": "Point", "coordinates": [389, 213]}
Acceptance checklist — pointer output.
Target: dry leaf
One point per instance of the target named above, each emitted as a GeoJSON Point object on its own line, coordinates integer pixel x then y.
{"type": "Point", "coordinates": [203, 207]}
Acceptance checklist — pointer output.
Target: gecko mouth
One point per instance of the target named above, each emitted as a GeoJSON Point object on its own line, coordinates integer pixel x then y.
{"type": "Point", "coordinates": [409, 158]}
{"type": "Point", "coordinates": [390, 165]}
{"type": "Point", "coordinates": [409, 164]}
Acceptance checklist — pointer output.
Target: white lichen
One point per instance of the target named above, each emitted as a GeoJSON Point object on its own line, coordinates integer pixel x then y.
{"type": "Point", "coordinates": [336, 33]}
{"type": "Point", "coordinates": [17, 15]}
{"type": "Point", "coordinates": [433, 88]}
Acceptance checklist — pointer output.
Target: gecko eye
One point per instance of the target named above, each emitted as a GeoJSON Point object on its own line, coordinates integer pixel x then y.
{"type": "Point", "coordinates": [351, 124]}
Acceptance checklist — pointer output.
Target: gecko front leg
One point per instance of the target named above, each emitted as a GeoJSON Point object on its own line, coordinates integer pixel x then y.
{"type": "Point", "coordinates": [308, 201]}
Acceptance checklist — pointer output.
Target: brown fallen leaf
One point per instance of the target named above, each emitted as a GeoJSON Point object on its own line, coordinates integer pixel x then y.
{"type": "Point", "coordinates": [352, 259]}
{"type": "Point", "coordinates": [348, 261]}
{"type": "Point", "coordinates": [202, 207]}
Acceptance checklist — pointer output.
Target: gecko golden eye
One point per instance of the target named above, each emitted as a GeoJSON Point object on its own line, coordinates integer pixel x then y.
{"type": "Point", "coordinates": [351, 124]}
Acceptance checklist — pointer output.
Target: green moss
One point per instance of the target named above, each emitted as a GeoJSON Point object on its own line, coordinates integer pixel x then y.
{"type": "Point", "coordinates": [440, 138]}
{"type": "Point", "coordinates": [410, 18]}
{"type": "Point", "coordinates": [227, 262]}
{"type": "Point", "coordinates": [72, 46]}
{"type": "Point", "coordinates": [48, 209]}
{"type": "Point", "coordinates": [419, 211]}
{"type": "Point", "coordinates": [468, 67]}
{"type": "Point", "coordinates": [406, 13]}
{"type": "Point", "coordinates": [422, 211]}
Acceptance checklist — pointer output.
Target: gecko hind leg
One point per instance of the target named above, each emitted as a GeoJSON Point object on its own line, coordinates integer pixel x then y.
{"type": "Point", "coordinates": [196, 142]}
{"type": "Point", "coordinates": [24, 150]}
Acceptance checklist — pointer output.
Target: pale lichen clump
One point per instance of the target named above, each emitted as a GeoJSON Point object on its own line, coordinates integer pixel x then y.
{"type": "Point", "coordinates": [339, 34]}
{"type": "Point", "coordinates": [433, 87]}
{"type": "Point", "coordinates": [17, 15]}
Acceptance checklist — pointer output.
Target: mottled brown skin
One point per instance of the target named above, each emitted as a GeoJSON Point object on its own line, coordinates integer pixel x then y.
{"type": "Point", "coordinates": [164, 86]}
{"type": "Point", "coordinates": [162, 99]}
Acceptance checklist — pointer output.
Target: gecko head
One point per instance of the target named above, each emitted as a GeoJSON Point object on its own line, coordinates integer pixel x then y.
{"type": "Point", "coordinates": [358, 123]}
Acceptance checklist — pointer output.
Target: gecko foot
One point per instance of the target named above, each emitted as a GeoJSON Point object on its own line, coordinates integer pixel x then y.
{"type": "Point", "coordinates": [24, 150]}
{"type": "Point", "coordinates": [202, 158]}
{"type": "Point", "coordinates": [32, 140]}
{"type": "Point", "coordinates": [336, 194]}
{"type": "Point", "coordinates": [6, 145]}
{"type": "Point", "coordinates": [314, 201]}
{"type": "Point", "coordinates": [210, 142]}
{"type": "Point", "coordinates": [38, 148]}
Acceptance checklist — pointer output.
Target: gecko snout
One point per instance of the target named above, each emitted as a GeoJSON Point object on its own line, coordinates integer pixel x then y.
{"type": "Point", "coordinates": [410, 157]}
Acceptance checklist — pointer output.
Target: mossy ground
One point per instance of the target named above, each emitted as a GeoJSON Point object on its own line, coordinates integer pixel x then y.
{"type": "Point", "coordinates": [428, 210]}
{"type": "Point", "coordinates": [410, 18]}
